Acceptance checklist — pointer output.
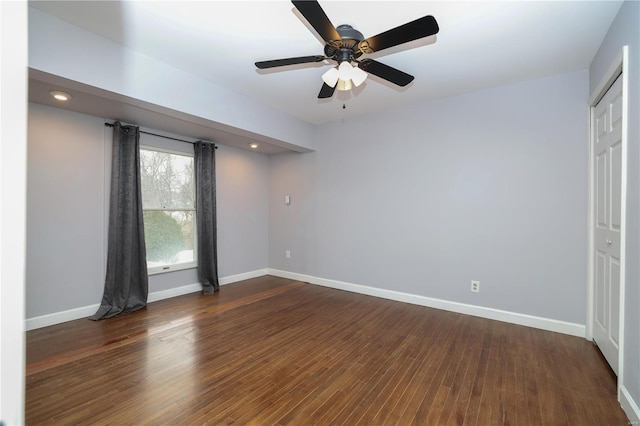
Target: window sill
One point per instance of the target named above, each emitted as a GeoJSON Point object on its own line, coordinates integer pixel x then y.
{"type": "Point", "coordinates": [171, 268]}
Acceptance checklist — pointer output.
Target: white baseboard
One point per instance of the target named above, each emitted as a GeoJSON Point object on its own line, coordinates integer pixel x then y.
{"type": "Point", "coordinates": [478, 311]}
{"type": "Point", "coordinates": [629, 406]}
{"type": "Point", "coordinates": [60, 317]}
{"type": "Point", "coordinates": [244, 276]}
{"type": "Point", "coordinates": [86, 311]}
{"type": "Point", "coordinates": [173, 292]}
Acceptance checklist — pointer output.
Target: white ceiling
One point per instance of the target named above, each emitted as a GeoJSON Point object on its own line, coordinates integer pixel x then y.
{"type": "Point", "coordinates": [481, 44]}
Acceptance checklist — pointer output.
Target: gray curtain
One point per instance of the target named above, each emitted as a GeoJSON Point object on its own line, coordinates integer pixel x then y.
{"type": "Point", "coordinates": [205, 159]}
{"type": "Point", "coordinates": [126, 284]}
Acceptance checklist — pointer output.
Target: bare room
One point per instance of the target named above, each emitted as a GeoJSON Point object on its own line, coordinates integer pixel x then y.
{"type": "Point", "coordinates": [301, 212]}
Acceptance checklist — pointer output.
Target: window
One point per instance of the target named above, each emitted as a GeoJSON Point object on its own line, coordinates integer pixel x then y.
{"type": "Point", "coordinates": [168, 203]}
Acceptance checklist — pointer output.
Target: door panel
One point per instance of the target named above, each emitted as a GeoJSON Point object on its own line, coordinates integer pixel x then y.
{"type": "Point", "coordinates": [616, 187]}
{"type": "Point", "coordinates": [614, 271]}
{"type": "Point", "coordinates": [601, 193]}
{"type": "Point", "coordinates": [601, 289]}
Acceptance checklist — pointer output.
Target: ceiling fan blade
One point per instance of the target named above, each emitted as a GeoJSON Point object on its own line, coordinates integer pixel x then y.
{"type": "Point", "coordinates": [326, 91]}
{"type": "Point", "coordinates": [289, 61]}
{"type": "Point", "coordinates": [423, 27]}
{"type": "Point", "coordinates": [386, 72]}
{"type": "Point", "coordinates": [314, 14]}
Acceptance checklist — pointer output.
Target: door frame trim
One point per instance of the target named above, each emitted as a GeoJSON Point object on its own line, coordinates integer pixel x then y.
{"type": "Point", "coordinates": [619, 67]}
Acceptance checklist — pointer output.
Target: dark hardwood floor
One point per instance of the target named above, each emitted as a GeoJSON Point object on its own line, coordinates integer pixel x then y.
{"type": "Point", "coordinates": [274, 351]}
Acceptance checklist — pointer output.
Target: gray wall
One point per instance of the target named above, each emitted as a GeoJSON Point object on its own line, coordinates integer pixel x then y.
{"type": "Point", "coordinates": [65, 210]}
{"type": "Point", "coordinates": [67, 207]}
{"type": "Point", "coordinates": [488, 186]}
{"type": "Point", "coordinates": [625, 30]}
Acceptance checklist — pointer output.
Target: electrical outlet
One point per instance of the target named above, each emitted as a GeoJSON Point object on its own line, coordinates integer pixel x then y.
{"type": "Point", "coordinates": [287, 254]}
{"type": "Point", "coordinates": [475, 286]}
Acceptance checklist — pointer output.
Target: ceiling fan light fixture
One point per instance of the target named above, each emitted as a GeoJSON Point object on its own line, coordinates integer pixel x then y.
{"type": "Point", "coordinates": [345, 71]}
{"type": "Point", "coordinates": [358, 76]}
{"type": "Point", "coordinates": [331, 77]}
{"type": "Point", "coordinates": [343, 85]}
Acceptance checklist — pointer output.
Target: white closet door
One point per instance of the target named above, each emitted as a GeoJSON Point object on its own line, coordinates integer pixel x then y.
{"type": "Point", "coordinates": [607, 128]}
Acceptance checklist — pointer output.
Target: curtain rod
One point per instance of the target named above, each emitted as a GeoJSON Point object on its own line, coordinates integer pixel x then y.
{"type": "Point", "coordinates": [163, 136]}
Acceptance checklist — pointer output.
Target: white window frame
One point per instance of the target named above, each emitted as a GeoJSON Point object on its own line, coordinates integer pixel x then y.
{"type": "Point", "coordinates": [176, 266]}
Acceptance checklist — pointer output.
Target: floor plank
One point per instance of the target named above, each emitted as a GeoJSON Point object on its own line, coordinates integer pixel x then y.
{"type": "Point", "coordinates": [274, 351]}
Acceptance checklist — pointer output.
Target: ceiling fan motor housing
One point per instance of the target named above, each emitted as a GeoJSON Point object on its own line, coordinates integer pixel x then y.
{"type": "Point", "coordinates": [343, 50]}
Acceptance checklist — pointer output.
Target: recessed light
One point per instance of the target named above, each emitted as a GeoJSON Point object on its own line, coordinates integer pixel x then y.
{"type": "Point", "coordinates": [61, 96]}
{"type": "Point", "coordinates": [254, 146]}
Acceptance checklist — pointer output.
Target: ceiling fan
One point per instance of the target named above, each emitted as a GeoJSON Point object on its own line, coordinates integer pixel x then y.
{"type": "Point", "coordinates": [345, 44]}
